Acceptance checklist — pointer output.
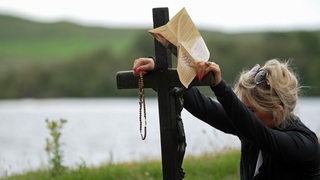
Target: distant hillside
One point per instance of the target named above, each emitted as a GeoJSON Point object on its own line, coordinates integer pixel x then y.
{"type": "Point", "coordinates": [68, 60]}
{"type": "Point", "coordinates": [22, 39]}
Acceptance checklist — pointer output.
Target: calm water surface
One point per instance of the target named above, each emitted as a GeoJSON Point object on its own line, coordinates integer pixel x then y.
{"type": "Point", "coordinates": [103, 130]}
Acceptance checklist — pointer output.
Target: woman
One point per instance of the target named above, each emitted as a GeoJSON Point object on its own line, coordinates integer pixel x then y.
{"type": "Point", "coordinates": [275, 144]}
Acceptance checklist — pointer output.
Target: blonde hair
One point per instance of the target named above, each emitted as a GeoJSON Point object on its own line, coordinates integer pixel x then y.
{"type": "Point", "coordinates": [279, 97]}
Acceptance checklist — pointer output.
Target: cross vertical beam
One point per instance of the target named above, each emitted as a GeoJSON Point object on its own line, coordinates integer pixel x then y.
{"type": "Point", "coordinates": [166, 104]}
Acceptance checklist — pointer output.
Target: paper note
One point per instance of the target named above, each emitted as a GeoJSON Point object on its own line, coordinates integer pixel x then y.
{"type": "Point", "coordinates": [181, 32]}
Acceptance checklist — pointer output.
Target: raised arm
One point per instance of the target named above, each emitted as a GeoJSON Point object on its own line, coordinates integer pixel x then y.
{"type": "Point", "coordinates": [207, 110]}
{"type": "Point", "coordinates": [296, 144]}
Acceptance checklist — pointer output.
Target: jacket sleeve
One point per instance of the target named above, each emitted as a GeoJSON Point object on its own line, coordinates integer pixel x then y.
{"type": "Point", "coordinates": [207, 110]}
{"type": "Point", "coordinates": [294, 145]}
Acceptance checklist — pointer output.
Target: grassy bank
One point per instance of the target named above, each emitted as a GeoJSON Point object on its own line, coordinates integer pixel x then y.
{"type": "Point", "coordinates": [207, 166]}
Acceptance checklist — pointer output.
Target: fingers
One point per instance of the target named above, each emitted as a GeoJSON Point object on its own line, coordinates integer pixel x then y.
{"type": "Point", "coordinates": [203, 68]}
{"type": "Point", "coordinates": [142, 64]}
{"type": "Point", "coordinates": [162, 40]}
{"type": "Point", "coordinates": [212, 66]}
{"type": "Point", "coordinates": [215, 68]}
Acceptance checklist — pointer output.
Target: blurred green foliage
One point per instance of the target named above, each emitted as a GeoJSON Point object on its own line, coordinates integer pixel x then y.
{"type": "Point", "coordinates": [68, 60]}
{"type": "Point", "coordinates": [53, 146]}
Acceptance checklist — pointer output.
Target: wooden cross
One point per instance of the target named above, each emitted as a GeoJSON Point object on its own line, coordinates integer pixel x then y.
{"type": "Point", "coordinates": [164, 80]}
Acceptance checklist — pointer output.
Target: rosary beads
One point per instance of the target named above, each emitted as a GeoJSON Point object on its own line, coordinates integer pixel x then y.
{"type": "Point", "coordinates": [142, 104]}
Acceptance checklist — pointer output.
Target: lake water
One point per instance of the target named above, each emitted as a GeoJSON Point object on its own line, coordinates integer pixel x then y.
{"type": "Point", "coordinates": [104, 130]}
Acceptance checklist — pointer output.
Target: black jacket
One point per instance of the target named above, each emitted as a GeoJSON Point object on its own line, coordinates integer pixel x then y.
{"type": "Point", "coordinates": [288, 153]}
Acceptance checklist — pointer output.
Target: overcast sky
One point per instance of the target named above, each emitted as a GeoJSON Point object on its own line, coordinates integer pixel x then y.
{"type": "Point", "coordinates": [225, 15]}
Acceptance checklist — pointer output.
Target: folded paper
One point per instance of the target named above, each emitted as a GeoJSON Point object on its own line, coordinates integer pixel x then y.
{"type": "Point", "coordinates": [182, 33]}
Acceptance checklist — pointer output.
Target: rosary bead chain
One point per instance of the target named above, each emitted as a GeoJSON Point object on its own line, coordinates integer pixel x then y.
{"type": "Point", "coordinates": [142, 104]}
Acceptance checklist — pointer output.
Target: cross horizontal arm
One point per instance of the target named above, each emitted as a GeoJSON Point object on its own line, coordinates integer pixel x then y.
{"type": "Point", "coordinates": [126, 79]}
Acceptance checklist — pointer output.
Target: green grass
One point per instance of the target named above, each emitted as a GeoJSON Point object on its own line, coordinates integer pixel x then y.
{"type": "Point", "coordinates": [59, 48]}
{"type": "Point", "coordinates": [221, 166]}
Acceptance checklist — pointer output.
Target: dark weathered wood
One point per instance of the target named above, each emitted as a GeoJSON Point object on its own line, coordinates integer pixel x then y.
{"type": "Point", "coordinates": [126, 80]}
{"type": "Point", "coordinates": [166, 103]}
{"type": "Point", "coordinates": [163, 55]}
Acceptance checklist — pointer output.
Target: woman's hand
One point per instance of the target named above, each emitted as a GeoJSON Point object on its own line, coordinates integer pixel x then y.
{"type": "Point", "coordinates": [202, 68]}
{"type": "Point", "coordinates": [142, 64]}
